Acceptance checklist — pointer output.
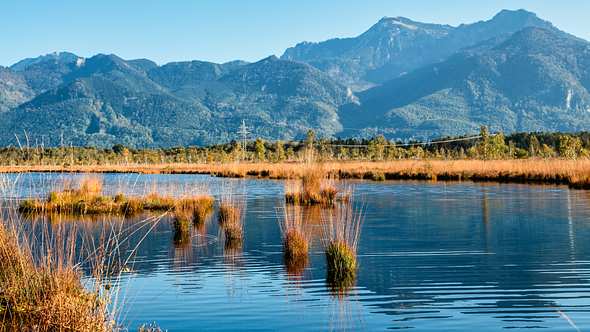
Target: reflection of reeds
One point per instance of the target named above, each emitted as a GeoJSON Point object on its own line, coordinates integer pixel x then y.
{"type": "Point", "coordinates": [152, 327]}
{"type": "Point", "coordinates": [342, 227]}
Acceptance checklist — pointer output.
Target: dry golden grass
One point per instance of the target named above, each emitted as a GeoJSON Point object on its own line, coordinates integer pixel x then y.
{"type": "Point", "coordinates": [45, 295]}
{"type": "Point", "coordinates": [87, 199]}
{"type": "Point", "coordinates": [314, 187]}
{"type": "Point", "coordinates": [571, 172]}
{"type": "Point", "coordinates": [229, 213]}
{"type": "Point", "coordinates": [296, 236]}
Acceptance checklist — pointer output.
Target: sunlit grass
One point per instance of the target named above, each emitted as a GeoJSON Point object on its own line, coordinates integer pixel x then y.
{"type": "Point", "coordinates": [342, 227]}
{"type": "Point", "coordinates": [575, 173]}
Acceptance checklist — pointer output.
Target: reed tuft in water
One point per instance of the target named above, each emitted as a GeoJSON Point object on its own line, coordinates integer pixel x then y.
{"type": "Point", "coordinates": [296, 237]}
{"type": "Point", "coordinates": [88, 199]}
{"type": "Point", "coordinates": [231, 214]}
{"type": "Point", "coordinates": [315, 187]}
{"type": "Point", "coordinates": [342, 227]}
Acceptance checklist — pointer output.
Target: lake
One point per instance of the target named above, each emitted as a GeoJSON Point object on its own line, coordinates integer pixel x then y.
{"type": "Point", "coordinates": [432, 256]}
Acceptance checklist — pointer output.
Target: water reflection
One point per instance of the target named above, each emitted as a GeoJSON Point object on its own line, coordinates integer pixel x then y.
{"type": "Point", "coordinates": [431, 257]}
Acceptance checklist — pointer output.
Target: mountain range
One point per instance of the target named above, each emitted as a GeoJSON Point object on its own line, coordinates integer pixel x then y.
{"type": "Point", "coordinates": [401, 78]}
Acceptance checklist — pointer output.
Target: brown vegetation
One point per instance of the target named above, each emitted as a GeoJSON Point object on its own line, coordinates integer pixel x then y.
{"type": "Point", "coordinates": [575, 173]}
{"type": "Point", "coordinates": [342, 227]}
{"type": "Point", "coordinates": [87, 199]}
{"type": "Point", "coordinates": [296, 237]}
{"type": "Point", "coordinates": [314, 187]}
{"type": "Point", "coordinates": [46, 294]}
{"type": "Point", "coordinates": [231, 213]}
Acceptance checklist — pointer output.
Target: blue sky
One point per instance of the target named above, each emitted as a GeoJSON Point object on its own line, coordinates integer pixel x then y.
{"type": "Point", "coordinates": [223, 30]}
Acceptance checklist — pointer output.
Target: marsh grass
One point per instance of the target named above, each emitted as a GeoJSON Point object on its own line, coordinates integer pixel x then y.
{"type": "Point", "coordinates": [87, 199]}
{"type": "Point", "coordinates": [315, 187]}
{"type": "Point", "coordinates": [296, 237]}
{"type": "Point", "coordinates": [182, 228]}
{"type": "Point", "coordinates": [46, 294]}
{"type": "Point", "coordinates": [342, 227]}
{"type": "Point", "coordinates": [56, 272]}
{"type": "Point", "coordinates": [574, 173]}
{"type": "Point", "coordinates": [229, 213]}
{"type": "Point", "coordinates": [231, 217]}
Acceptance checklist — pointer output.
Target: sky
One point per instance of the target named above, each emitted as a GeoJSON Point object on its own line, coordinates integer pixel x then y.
{"type": "Point", "coordinates": [224, 30]}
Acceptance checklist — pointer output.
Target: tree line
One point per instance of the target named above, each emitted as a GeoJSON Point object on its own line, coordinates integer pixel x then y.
{"type": "Point", "coordinates": [485, 146]}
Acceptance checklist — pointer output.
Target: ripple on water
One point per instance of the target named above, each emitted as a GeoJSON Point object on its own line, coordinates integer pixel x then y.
{"type": "Point", "coordinates": [432, 257]}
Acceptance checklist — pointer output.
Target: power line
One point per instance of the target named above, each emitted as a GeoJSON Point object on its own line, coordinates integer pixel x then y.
{"type": "Point", "coordinates": [410, 144]}
{"type": "Point", "coordinates": [244, 132]}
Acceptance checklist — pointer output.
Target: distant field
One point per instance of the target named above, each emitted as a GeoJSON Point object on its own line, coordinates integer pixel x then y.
{"type": "Point", "coordinates": [575, 173]}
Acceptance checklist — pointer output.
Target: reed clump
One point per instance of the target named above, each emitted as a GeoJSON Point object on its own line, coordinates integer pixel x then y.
{"type": "Point", "coordinates": [342, 227]}
{"type": "Point", "coordinates": [88, 199]}
{"type": "Point", "coordinates": [296, 237]}
{"type": "Point", "coordinates": [295, 246]}
{"type": "Point", "coordinates": [45, 295]}
{"type": "Point", "coordinates": [313, 188]}
{"type": "Point", "coordinates": [231, 217]}
{"type": "Point", "coordinates": [199, 207]}
{"type": "Point", "coordinates": [182, 227]}
{"type": "Point", "coordinates": [233, 232]}
{"type": "Point", "coordinates": [229, 213]}
{"type": "Point", "coordinates": [341, 260]}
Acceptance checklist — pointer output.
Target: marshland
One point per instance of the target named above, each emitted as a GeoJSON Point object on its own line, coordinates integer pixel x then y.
{"type": "Point", "coordinates": [230, 253]}
{"type": "Point", "coordinates": [376, 237]}
{"type": "Point", "coordinates": [542, 158]}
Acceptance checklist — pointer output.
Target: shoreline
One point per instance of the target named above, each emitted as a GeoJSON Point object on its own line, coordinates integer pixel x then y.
{"type": "Point", "coordinates": [574, 173]}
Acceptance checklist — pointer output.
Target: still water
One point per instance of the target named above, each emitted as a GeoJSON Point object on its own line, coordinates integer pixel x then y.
{"type": "Point", "coordinates": [432, 257]}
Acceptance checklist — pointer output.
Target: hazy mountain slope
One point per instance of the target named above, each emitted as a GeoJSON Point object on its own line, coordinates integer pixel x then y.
{"type": "Point", "coordinates": [107, 100]}
{"type": "Point", "coordinates": [395, 46]}
{"type": "Point", "coordinates": [536, 80]}
{"type": "Point", "coordinates": [13, 89]}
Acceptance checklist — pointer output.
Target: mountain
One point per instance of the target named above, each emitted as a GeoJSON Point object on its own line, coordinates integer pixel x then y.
{"type": "Point", "coordinates": [105, 100]}
{"type": "Point", "coordinates": [395, 46]}
{"type": "Point", "coordinates": [14, 90]}
{"type": "Point", "coordinates": [514, 72]}
{"type": "Point", "coordinates": [536, 80]}
{"type": "Point", "coordinates": [47, 72]}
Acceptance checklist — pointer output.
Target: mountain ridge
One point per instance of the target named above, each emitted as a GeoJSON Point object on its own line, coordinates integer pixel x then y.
{"type": "Point", "coordinates": [453, 80]}
{"type": "Point", "coordinates": [395, 46]}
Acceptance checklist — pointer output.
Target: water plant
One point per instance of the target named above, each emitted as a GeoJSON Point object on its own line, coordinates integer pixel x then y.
{"type": "Point", "coordinates": [45, 294]}
{"type": "Point", "coordinates": [231, 218]}
{"type": "Point", "coordinates": [295, 237]}
{"type": "Point", "coordinates": [342, 227]}
{"type": "Point", "coordinates": [315, 187]}
{"type": "Point", "coordinates": [229, 213]}
{"type": "Point", "coordinates": [233, 232]}
{"type": "Point", "coordinates": [182, 227]}
{"type": "Point", "coordinates": [87, 199]}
